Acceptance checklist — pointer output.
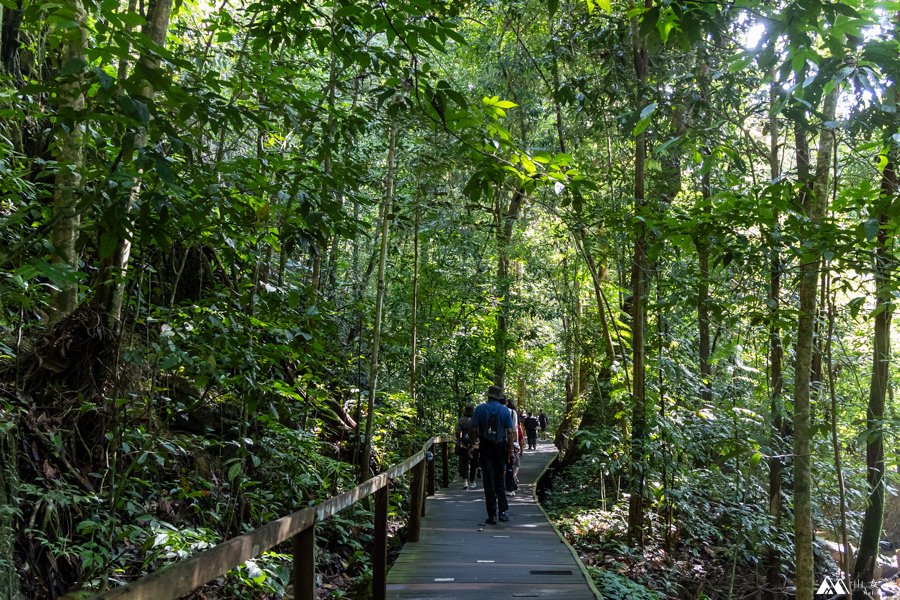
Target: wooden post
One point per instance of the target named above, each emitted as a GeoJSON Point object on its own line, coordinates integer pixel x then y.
{"type": "Point", "coordinates": [430, 470]}
{"type": "Point", "coordinates": [379, 557]}
{"type": "Point", "coordinates": [445, 464]}
{"type": "Point", "coordinates": [305, 564]}
{"type": "Point", "coordinates": [415, 502]}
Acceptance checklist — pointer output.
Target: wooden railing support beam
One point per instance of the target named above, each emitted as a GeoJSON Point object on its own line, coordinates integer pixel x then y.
{"type": "Point", "coordinates": [415, 502]}
{"type": "Point", "coordinates": [430, 470]}
{"type": "Point", "coordinates": [304, 575]}
{"type": "Point", "coordinates": [445, 464]}
{"type": "Point", "coordinates": [379, 555]}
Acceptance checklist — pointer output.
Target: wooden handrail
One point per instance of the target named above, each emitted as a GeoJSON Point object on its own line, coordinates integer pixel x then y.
{"type": "Point", "coordinates": [183, 577]}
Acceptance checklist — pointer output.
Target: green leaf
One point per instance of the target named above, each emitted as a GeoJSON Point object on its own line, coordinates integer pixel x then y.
{"type": "Point", "coordinates": [105, 79]}
{"type": "Point", "coordinates": [854, 305]}
{"type": "Point", "coordinates": [871, 228]}
{"type": "Point", "coordinates": [132, 19]}
{"type": "Point", "coordinates": [142, 112]}
{"type": "Point", "coordinates": [529, 165]}
{"type": "Point", "coordinates": [641, 126]}
{"type": "Point", "coordinates": [75, 65]}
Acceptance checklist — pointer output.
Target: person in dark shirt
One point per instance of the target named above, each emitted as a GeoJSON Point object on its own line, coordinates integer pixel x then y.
{"type": "Point", "coordinates": [543, 422]}
{"type": "Point", "coordinates": [492, 424]}
{"type": "Point", "coordinates": [531, 429]}
{"type": "Point", "coordinates": [467, 449]}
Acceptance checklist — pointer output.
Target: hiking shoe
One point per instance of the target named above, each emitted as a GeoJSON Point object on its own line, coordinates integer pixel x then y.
{"type": "Point", "coordinates": [504, 517]}
{"type": "Point", "coordinates": [492, 520]}
{"type": "Point", "coordinates": [473, 487]}
{"type": "Point", "coordinates": [465, 487]}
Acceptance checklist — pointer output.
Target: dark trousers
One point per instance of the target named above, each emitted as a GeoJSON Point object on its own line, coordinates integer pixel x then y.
{"type": "Point", "coordinates": [493, 472]}
{"type": "Point", "coordinates": [468, 465]}
{"type": "Point", "coordinates": [532, 437]}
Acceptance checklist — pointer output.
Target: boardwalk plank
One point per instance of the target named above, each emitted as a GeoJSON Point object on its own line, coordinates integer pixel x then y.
{"type": "Point", "coordinates": [459, 557]}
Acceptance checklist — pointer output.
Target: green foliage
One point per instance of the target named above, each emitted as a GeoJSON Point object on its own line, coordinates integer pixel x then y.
{"type": "Point", "coordinates": [229, 194]}
{"type": "Point", "coordinates": [618, 587]}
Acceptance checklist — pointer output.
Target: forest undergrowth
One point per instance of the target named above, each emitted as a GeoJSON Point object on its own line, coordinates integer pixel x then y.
{"type": "Point", "coordinates": [700, 542]}
{"type": "Point", "coordinates": [119, 469]}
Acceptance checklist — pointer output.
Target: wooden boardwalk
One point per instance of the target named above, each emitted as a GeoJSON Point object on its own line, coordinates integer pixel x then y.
{"type": "Point", "coordinates": [459, 557]}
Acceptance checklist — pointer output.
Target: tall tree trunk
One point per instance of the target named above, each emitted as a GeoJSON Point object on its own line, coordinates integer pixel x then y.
{"type": "Point", "coordinates": [563, 433]}
{"type": "Point", "coordinates": [114, 268]}
{"type": "Point", "coordinates": [638, 312]}
{"type": "Point", "coordinates": [846, 555]}
{"type": "Point", "coordinates": [315, 273]}
{"type": "Point", "coordinates": [703, 240]}
{"type": "Point", "coordinates": [591, 413]}
{"type": "Point", "coordinates": [66, 218]}
{"type": "Point", "coordinates": [807, 291]}
{"type": "Point", "coordinates": [780, 431]}
{"type": "Point", "coordinates": [504, 222]}
{"type": "Point", "coordinates": [379, 303]}
{"type": "Point", "coordinates": [595, 412]}
{"type": "Point", "coordinates": [866, 559]}
{"type": "Point", "coordinates": [328, 182]}
{"type": "Point", "coordinates": [702, 244]}
{"type": "Point", "coordinates": [413, 373]}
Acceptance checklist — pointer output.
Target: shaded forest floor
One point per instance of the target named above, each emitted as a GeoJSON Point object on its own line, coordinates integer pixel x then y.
{"type": "Point", "coordinates": [698, 560]}
{"type": "Point", "coordinates": [691, 562]}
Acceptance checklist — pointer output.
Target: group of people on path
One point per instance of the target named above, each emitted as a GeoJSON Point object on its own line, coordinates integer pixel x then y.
{"type": "Point", "coordinates": [491, 439]}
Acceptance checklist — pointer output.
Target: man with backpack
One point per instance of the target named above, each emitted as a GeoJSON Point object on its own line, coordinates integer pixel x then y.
{"type": "Point", "coordinates": [492, 424]}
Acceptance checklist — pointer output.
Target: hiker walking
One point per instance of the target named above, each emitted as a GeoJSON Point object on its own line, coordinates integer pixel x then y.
{"type": "Point", "coordinates": [542, 421]}
{"type": "Point", "coordinates": [467, 448]}
{"type": "Point", "coordinates": [531, 429]}
{"type": "Point", "coordinates": [492, 424]}
{"type": "Point", "coordinates": [512, 467]}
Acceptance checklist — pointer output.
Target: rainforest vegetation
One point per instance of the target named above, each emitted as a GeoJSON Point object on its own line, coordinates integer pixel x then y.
{"type": "Point", "coordinates": [251, 253]}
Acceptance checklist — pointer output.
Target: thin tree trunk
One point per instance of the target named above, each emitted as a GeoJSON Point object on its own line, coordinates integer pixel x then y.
{"type": "Point", "coordinates": [569, 421]}
{"type": "Point", "coordinates": [591, 413]}
{"type": "Point", "coordinates": [808, 291]}
{"type": "Point", "coordinates": [504, 221]}
{"type": "Point", "coordinates": [413, 383]}
{"type": "Point", "coordinates": [379, 303]}
{"type": "Point", "coordinates": [595, 412]}
{"type": "Point", "coordinates": [638, 313]}
{"type": "Point", "coordinates": [702, 244]}
{"type": "Point", "coordinates": [66, 218]}
{"type": "Point", "coordinates": [780, 432]}
{"type": "Point", "coordinates": [846, 555]}
{"type": "Point", "coordinates": [113, 269]}
{"type": "Point", "coordinates": [329, 184]}
{"type": "Point", "coordinates": [315, 274]}
{"type": "Point", "coordinates": [866, 559]}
